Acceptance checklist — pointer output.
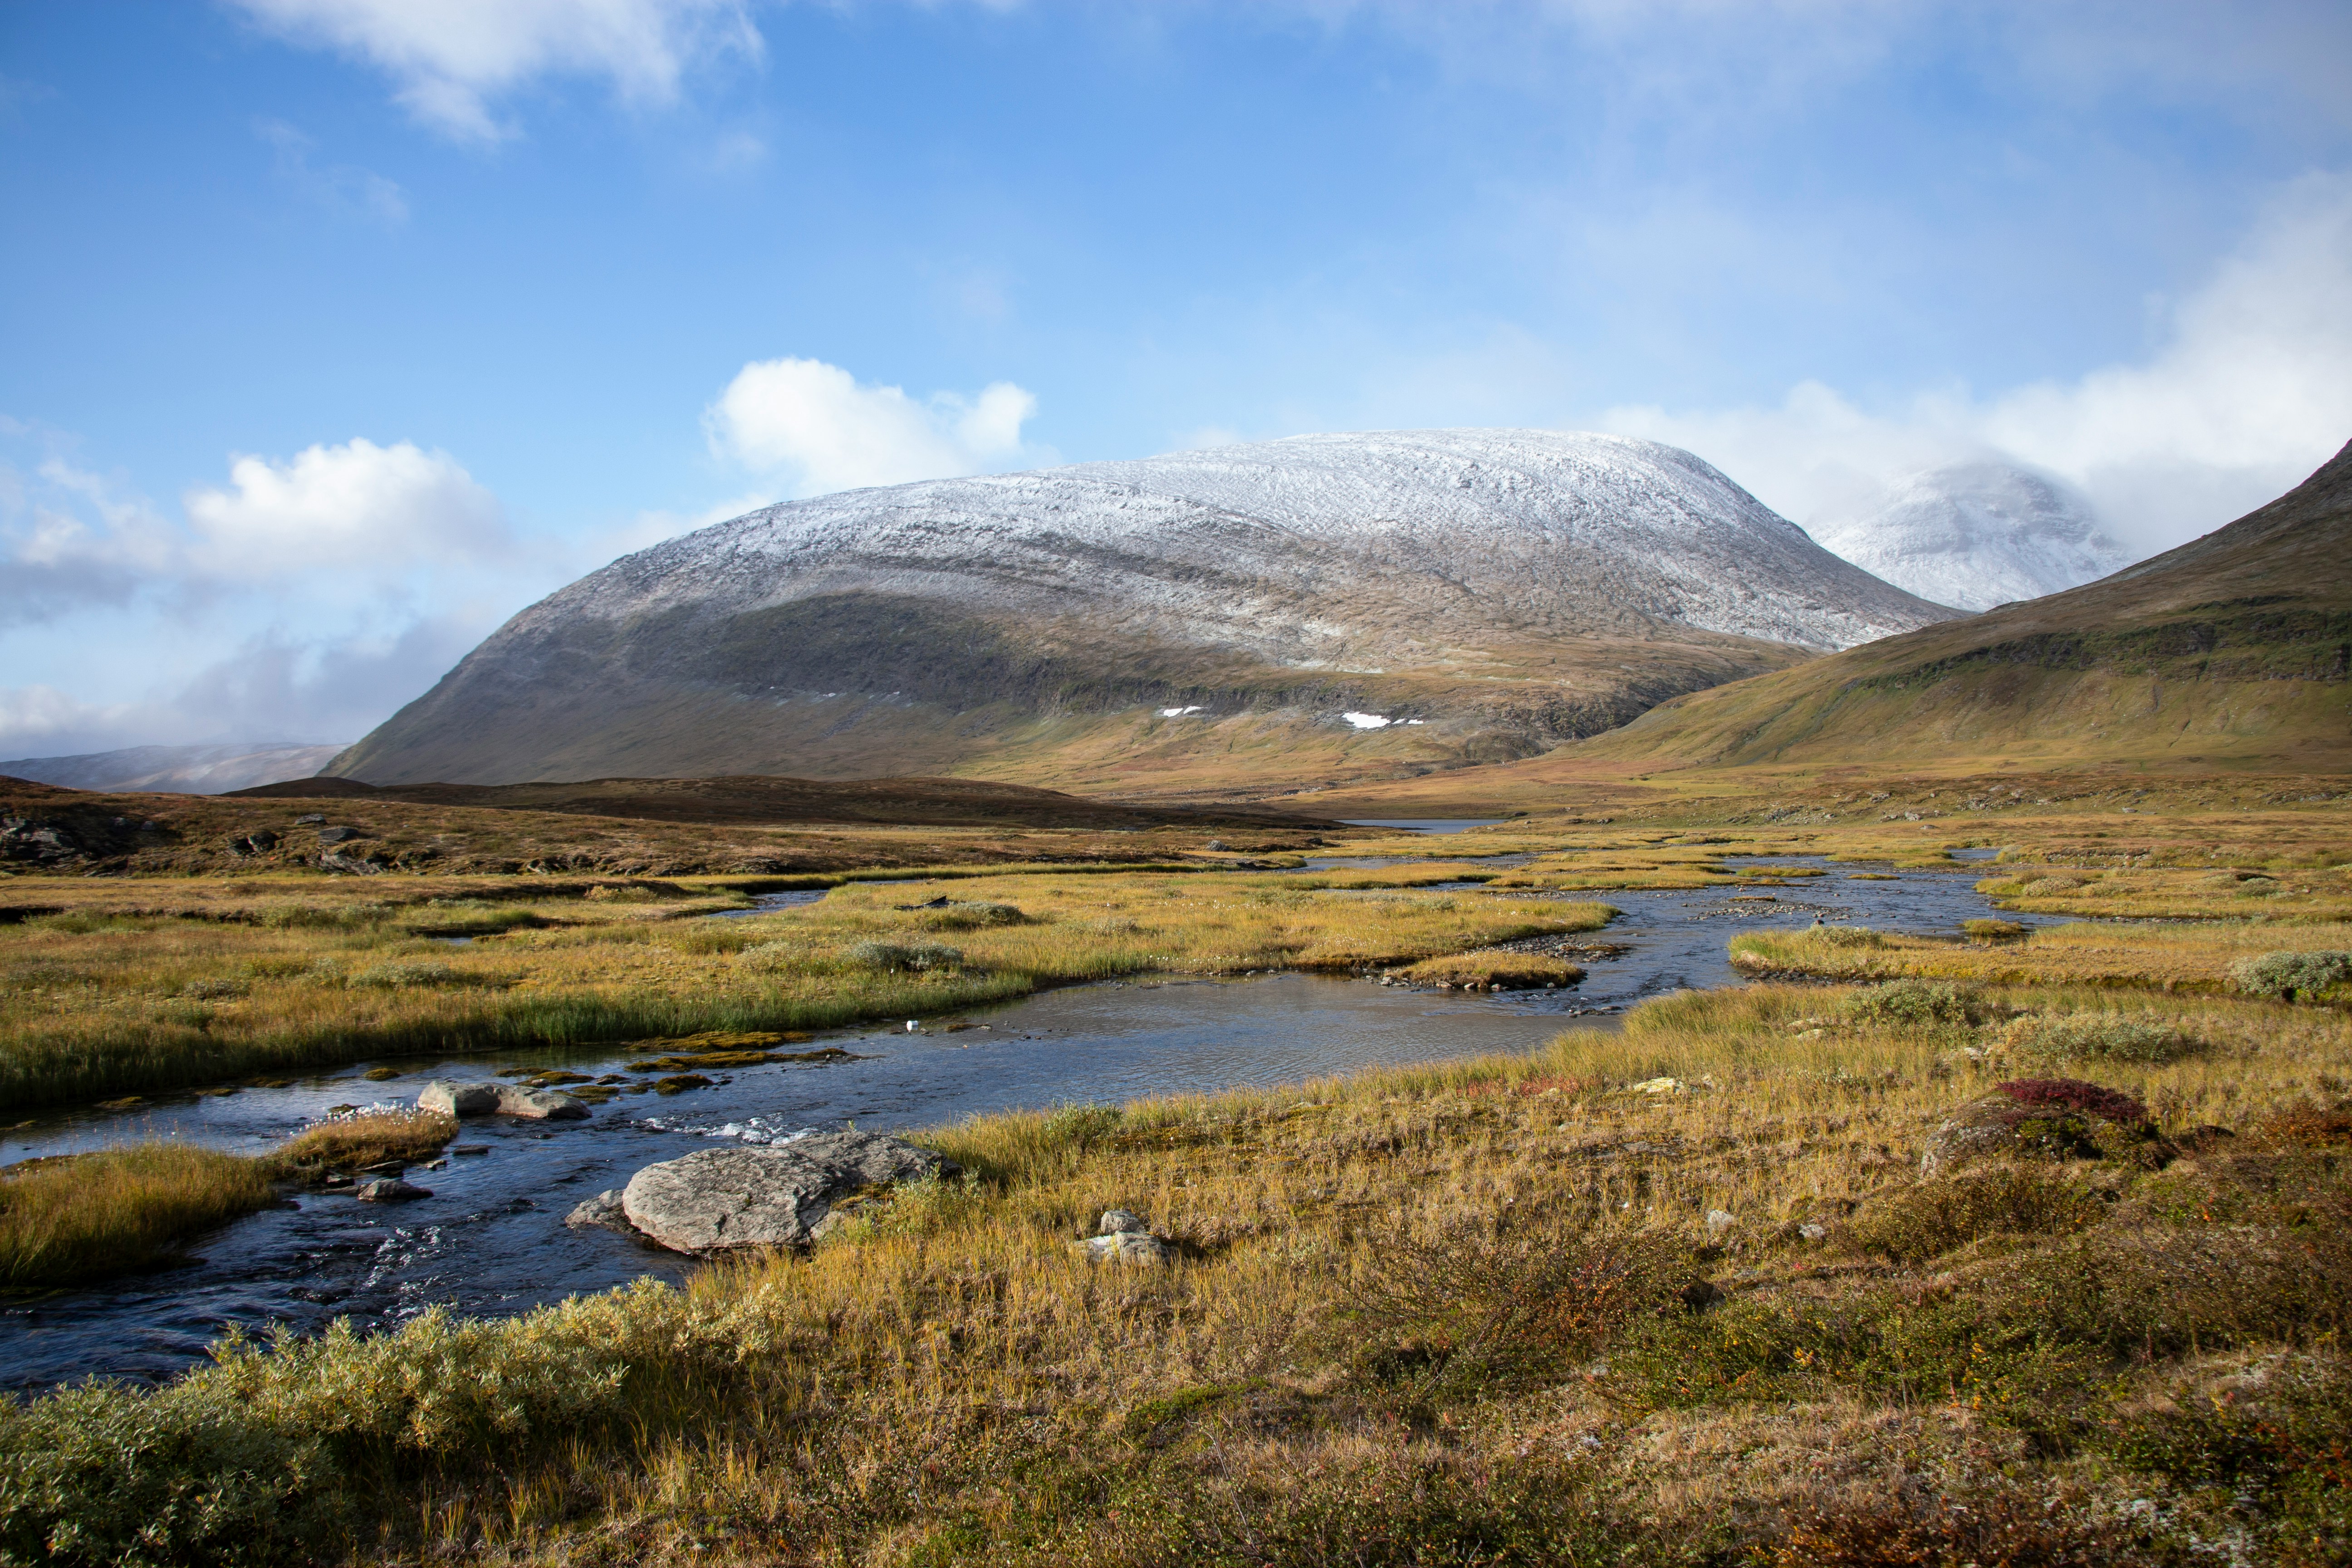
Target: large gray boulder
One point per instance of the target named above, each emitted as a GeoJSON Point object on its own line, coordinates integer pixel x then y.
{"type": "Point", "coordinates": [715, 1199]}
{"type": "Point", "coordinates": [500, 1099]}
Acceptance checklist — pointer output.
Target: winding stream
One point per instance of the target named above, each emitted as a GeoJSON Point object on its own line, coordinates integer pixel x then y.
{"type": "Point", "coordinates": [491, 1239]}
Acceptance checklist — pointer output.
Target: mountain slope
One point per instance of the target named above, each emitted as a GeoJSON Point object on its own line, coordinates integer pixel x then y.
{"type": "Point", "coordinates": [176, 770]}
{"type": "Point", "coordinates": [1973, 535]}
{"type": "Point", "coordinates": [1323, 607]}
{"type": "Point", "coordinates": [2235, 647]}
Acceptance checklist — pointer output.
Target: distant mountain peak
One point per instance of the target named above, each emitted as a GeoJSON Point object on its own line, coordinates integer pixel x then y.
{"type": "Point", "coordinates": [1973, 535]}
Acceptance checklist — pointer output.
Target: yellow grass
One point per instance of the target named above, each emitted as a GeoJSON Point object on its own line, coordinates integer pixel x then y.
{"type": "Point", "coordinates": [96, 1004]}
{"type": "Point", "coordinates": [85, 1215]}
{"type": "Point", "coordinates": [2193, 957]}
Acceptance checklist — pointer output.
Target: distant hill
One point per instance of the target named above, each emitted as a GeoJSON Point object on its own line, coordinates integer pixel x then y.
{"type": "Point", "coordinates": [1324, 607]}
{"type": "Point", "coordinates": [176, 770]}
{"type": "Point", "coordinates": [934, 802]}
{"type": "Point", "coordinates": [2235, 648]}
{"type": "Point", "coordinates": [1973, 535]}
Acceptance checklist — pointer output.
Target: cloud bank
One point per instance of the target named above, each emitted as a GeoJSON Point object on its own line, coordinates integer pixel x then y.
{"type": "Point", "coordinates": [449, 59]}
{"type": "Point", "coordinates": [2247, 390]}
{"type": "Point", "coordinates": [813, 424]}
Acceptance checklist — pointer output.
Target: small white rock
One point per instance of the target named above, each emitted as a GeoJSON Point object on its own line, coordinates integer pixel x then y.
{"type": "Point", "coordinates": [1720, 1220]}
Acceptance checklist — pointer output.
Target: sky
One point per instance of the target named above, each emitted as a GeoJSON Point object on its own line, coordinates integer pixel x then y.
{"type": "Point", "coordinates": [337, 331]}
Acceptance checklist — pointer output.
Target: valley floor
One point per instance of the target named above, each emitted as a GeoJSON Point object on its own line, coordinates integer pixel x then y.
{"type": "Point", "coordinates": [1725, 1288]}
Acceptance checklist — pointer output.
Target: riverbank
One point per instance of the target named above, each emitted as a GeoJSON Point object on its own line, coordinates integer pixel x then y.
{"type": "Point", "coordinates": [97, 1004]}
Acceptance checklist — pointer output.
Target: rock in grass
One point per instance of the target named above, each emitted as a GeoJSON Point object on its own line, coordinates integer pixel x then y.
{"type": "Point", "coordinates": [1125, 1246]}
{"type": "Point", "coordinates": [1114, 1221]}
{"type": "Point", "coordinates": [2046, 1119]}
{"type": "Point", "coordinates": [715, 1199]}
{"type": "Point", "coordinates": [388, 1190]}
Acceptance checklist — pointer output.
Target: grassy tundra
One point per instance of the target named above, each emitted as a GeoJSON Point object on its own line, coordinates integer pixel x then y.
{"type": "Point", "coordinates": [208, 982]}
{"type": "Point", "coordinates": [1679, 1295]}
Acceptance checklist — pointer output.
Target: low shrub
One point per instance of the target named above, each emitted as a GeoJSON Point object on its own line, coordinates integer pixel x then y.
{"type": "Point", "coordinates": [2073, 1094]}
{"type": "Point", "coordinates": [1914, 1224]}
{"type": "Point", "coordinates": [1909, 1003]}
{"type": "Point", "coordinates": [892, 955]}
{"type": "Point", "coordinates": [413, 972]}
{"type": "Point", "coordinates": [2286, 975]}
{"type": "Point", "coordinates": [972, 916]}
{"type": "Point", "coordinates": [1530, 1291]}
{"type": "Point", "coordinates": [1843, 936]}
{"type": "Point", "coordinates": [2097, 1036]}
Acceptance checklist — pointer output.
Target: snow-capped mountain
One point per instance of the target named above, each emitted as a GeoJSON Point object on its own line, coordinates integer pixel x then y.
{"type": "Point", "coordinates": [1973, 535]}
{"type": "Point", "coordinates": [1542, 584]}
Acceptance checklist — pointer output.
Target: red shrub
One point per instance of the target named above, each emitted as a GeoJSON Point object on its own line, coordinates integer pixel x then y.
{"type": "Point", "coordinates": [2073, 1094]}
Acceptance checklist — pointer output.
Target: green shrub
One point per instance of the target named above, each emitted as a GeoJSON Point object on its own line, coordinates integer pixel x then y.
{"type": "Point", "coordinates": [1914, 1224]}
{"type": "Point", "coordinates": [892, 955]}
{"type": "Point", "coordinates": [413, 971]}
{"type": "Point", "coordinates": [2287, 975]}
{"type": "Point", "coordinates": [973, 916]}
{"type": "Point", "coordinates": [2098, 1037]}
{"type": "Point", "coordinates": [1910, 1004]}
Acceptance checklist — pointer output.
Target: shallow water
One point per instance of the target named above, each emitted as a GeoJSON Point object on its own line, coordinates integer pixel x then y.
{"type": "Point", "coordinates": [491, 1239]}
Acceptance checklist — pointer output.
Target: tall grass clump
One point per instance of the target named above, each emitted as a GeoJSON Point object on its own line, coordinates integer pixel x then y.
{"type": "Point", "coordinates": [82, 1217]}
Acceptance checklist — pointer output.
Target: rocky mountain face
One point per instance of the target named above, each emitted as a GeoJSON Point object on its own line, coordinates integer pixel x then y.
{"type": "Point", "coordinates": [176, 770]}
{"type": "Point", "coordinates": [1321, 608]}
{"type": "Point", "coordinates": [1973, 535]}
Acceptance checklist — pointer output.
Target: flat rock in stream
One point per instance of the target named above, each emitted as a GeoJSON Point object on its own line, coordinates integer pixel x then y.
{"type": "Point", "coordinates": [715, 1199]}
{"type": "Point", "coordinates": [500, 1099]}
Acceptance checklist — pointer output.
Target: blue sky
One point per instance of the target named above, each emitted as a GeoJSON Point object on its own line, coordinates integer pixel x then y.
{"type": "Point", "coordinates": [340, 329]}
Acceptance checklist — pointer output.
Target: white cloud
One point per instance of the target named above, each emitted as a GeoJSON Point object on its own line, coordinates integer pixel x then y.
{"type": "Point", "coordinates": [358, 504]}
{"type": "Point", "coordinates": [813, 423]}
{"type": "Point", "coordinates": [450, 59]}
{"type": "Point", "coordinates": [2250, 390]}
{"type": "Point", "coordinates": [340, 188]}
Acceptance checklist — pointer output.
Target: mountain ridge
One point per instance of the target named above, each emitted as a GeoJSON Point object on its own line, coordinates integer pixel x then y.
{"type": "Point", "coordinates": [1478, 596]}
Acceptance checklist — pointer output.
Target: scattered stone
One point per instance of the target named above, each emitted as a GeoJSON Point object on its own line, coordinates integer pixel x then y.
{"type": "Point", "coordinates": [775, 1196]}
{"type": "Point", "coordinates": [1659, 1085]}
{"type": "Point", "coordinates": [459, 1098]}
{"type": "Point", "coordinates": [500, 1099]}
{"type": "Point", "coordinates": [338, 834]}
{"type": "Point", "coordinates": [1810, 1232]}
{"type": "Point", "coordinates": [309, 818]}
{"type": "Point", "coordinates": [1115, 1221]}
{"type": "Point", "coordinates": [334, 1182]}
{"type": "Point", "coordinates": [388, 1190]}
{"type": "Point", "coordinates": [462, 1150]}
{"type": "Point", "coordinates": [1720, 1220]}
{"type": "Point", "coordinates": [602, 1211]}
{"type": "Point", "coordinates": [1138, 1246]}
{"type": "Point", "coordinates": [2047, 1119]}
{"type": "Point", "coordinates": [384, 1168]}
